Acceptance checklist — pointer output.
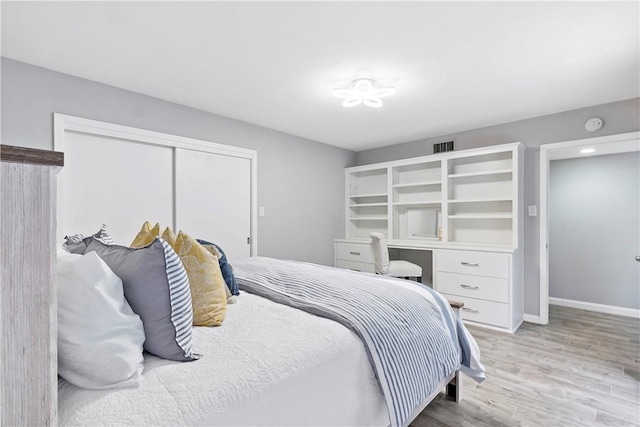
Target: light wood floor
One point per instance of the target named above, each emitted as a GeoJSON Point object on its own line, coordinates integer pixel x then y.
{"type": "Point", "coordinates": [582, 369]}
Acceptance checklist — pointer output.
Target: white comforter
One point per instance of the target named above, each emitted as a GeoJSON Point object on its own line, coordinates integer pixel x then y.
{"type": "Point", "coordinates": [264, 358]}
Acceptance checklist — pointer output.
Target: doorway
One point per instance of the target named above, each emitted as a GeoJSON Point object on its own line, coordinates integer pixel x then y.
{"type": "Point", "coordinates": [613, 144]}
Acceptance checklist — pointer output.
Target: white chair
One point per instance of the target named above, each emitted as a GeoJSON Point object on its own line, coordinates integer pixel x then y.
{"type": "Point", "coordinates": [395, 268]}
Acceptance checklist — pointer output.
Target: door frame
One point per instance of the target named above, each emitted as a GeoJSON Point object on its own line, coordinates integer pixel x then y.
{"type": "Point", "coordinates": [619, 143]}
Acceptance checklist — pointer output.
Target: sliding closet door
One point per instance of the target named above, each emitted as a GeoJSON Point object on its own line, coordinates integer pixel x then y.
{"type": "Point", "coordinates": [213, 199]}
{"type": "Point", "coordinates": [118, 182]}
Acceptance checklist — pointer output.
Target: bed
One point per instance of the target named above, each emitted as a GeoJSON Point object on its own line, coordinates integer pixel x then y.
{"type": "Point", "coordinates": [274, 364]}
{"type": "Point", "coordinates": [303, 345]}
{"type": "Point", "coordinates": [265, 358]}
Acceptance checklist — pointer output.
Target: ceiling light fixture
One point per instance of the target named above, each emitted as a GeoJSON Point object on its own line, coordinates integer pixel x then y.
{"type": "Point", "coordinates": [363, 91]}
{"type": "Point", "coordinates": [587, 150]}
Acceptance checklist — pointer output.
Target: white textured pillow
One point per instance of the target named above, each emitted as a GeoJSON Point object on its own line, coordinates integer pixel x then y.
{"type": "Point", "coordinates": [99, 337]}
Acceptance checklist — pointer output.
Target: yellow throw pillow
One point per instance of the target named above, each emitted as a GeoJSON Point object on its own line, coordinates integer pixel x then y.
{"type": "Point", "coordinates": [208, 295]}
{"type": "Point", "coordinates": [212, 249]}
{"type": "Point", "coordinates": [169, 236]}
{"type": "Point", "coordinates": [146, 235]}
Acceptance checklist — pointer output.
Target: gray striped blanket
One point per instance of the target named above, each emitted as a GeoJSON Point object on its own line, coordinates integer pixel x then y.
{"type": "Point", "coordinates": [409, 331]}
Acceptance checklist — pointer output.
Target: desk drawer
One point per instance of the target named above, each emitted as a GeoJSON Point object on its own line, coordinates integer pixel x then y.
{"type": "Point", "coordinates": [488, 312]}
{"type": "Point", "coordinates": [358, 252]}
{"type": "Point", "coordinates": [356, 266]}
{"type": "Point", "coordinates": [480, 287]}
{"type": "Point", "coordinates": [474, 262]}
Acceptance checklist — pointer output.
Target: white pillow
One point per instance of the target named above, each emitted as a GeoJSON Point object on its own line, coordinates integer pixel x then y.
{"type": "Point", "coordinates": [99, 337]}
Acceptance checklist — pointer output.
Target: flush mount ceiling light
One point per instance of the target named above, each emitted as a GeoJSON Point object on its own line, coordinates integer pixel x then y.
{"type": "Point", "coordinates": [363, 91]}
{"type": "Point", "coordinates": [587, 150]}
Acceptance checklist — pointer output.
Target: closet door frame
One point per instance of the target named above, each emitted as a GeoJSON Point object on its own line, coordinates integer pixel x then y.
{"type": "Point", "coordinates": [63, 124]}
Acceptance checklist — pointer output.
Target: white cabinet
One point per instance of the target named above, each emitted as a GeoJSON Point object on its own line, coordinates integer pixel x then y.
{"type": "Point", "coordinates": [488, 283]}
{"type": "Point", "coordinates": [479, 287]}
{"type": "Point", "coordinates": [483, 313]}
{"type": "Point", "coordinates": [474, 263]}
{"type": "Point", "coordinates": [464, 207]}
{"type": "Point", "coordinates": [354, 256]}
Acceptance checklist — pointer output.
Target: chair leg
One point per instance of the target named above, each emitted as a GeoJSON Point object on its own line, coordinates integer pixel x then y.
{"type": "Point", "coordinates": [419, 279]}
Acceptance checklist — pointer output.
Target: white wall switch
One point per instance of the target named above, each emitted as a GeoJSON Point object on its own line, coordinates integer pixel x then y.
{"type": "Point", "coordinates": [261, 211]}
{"type": "Point", "coordinates": [533, 210]}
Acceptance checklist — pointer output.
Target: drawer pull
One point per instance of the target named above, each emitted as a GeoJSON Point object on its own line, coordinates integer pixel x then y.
{"type": "Point", "coordinates": [354, 253]}
{"type": "Point", "coordinates": [470, 310]}
{"type": "Point", "coordinates": [470, 264]}
{"type": "Point", "coordinates": [475, 288]}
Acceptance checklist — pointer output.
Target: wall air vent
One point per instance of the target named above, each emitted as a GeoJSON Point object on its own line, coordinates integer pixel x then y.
{"type": "Point", "coordinates": [441, 147]}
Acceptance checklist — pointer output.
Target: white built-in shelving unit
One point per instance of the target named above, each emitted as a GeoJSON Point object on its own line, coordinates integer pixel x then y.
{"type": "Point", "coordinates": [480, 198]}
{"type": "Point", "coordinates": [416, 191]}
{"type": "Point", "coordinates": [368, 202]}
{"type": "Point", "coordinates": [468, 197]}
{"type": "Point", "coordinates": [464, 207]}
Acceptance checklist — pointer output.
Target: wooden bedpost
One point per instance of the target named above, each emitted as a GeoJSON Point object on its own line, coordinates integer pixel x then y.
{"type": "Point", "coordinates": [456, 306]}
{"type": "Point", "coordinates": [28, 363]}
{"type": "Point", "coordinates": [454, 388]}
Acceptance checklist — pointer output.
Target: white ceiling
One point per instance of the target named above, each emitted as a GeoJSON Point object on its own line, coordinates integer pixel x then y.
{"type": "Point", "coordinates": [456, 66]}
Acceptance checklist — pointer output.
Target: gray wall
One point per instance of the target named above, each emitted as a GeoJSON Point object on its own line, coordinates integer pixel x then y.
{"type": "Point", "coordinates": [300, 182]}
{"type": "Point", "coordinates": [619, 117]}
{"type": "Point", "coordinates": [594, 229]}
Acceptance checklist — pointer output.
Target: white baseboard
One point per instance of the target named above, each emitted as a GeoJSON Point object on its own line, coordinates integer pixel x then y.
{"type": "Point", "coordinates": [531, 318]}
{"type": "Point", "coordinates": [600, 308]}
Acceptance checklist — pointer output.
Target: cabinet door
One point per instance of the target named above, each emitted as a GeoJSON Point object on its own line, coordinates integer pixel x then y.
{"type": "Point", "coordinates": [213, 199]}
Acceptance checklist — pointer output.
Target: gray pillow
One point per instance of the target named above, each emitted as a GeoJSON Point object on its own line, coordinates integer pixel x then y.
{"type": "Point", "coordinates": [157, 289]}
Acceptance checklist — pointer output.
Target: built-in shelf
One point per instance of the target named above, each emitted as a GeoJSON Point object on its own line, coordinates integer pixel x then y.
{"type": "Point", "coordinates": [482, 216]}
{"type": "Point", "coordinates": [417, 184]}
{"type": "Point", "coordinates": [364, 205]}
{"type": "Point", "coordinates": [420, 203]}
{"type": "Point", "coordinates": [480, 200]}
{"type": "Point", "coordinates": [355, 196]}
{"type": "Point", "coordinates": [425, 237]}
{"type": "Point", "coordinates": [369, 218]}
{"type": "Point", "coordinates": [481, 173]}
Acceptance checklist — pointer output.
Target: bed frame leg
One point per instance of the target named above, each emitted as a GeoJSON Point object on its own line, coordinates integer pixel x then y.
{"type": "Point", "coordinates": [454, 388]}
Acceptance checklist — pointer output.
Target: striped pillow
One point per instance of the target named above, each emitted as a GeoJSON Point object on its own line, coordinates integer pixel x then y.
{"type": "Point", "coordinates": [75, 243]}
{"type": "Point", "coordinates": [157, 288]}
